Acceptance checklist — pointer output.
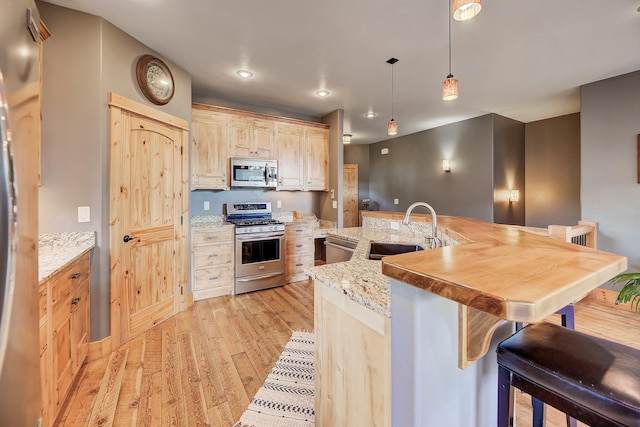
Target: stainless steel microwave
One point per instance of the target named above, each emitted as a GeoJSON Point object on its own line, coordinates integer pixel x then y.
{"type": "Point", "coordinates": [254, 172]}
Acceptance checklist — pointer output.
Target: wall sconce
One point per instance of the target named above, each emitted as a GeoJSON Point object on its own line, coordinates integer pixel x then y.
{"type": "Point", "coordinates": [346, 138]}
{"type": "Point", "coordinates": [446, 166]}
{"type": "Point", "coordinates": [514, 196]}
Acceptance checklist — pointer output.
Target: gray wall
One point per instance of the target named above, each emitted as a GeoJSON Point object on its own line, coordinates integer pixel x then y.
{"type": "Point", "coordinates": [552, 171]}
{"type": "Point", "coordinates": [359, 154]}
{"type": "Point", "coordinates": [305, 201]}
{"type": "Point", "coordinates": [85, 59]}
{"type": "Point", "coordinates": [610, 193]}
{"type": "Point", "coordinates": [412, 171]}
{"type": "Point", "coordinates": [508, 170]}
{"type": "Point", "coordinates": [327, 211]}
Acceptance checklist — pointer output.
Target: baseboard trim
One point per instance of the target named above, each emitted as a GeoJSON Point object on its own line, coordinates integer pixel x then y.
{"type": "Point", "coordinates": [608, 297]}
{"type": "Point", "coordinates": [99, 349]}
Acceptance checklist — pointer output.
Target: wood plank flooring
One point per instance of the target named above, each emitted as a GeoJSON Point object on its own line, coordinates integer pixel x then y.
{"type": "Point", "coordinates": [203, 366]}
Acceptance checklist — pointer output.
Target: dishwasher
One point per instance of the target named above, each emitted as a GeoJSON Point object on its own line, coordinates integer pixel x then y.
{"type": "Point", "coordinates": [339, 249]}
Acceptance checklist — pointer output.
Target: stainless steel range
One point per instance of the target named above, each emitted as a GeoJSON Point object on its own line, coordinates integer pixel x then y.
{"type": "Point", "coordinates": [259, 246]}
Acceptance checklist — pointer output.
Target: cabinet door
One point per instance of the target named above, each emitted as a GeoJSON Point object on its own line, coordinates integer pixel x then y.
{"type": "Point", "coordinates": [80, 326]}
{"type": "Point", "coordinates": [290, 169]}
{"type": "Point", "coordinates": [241, 138]}
{"type": "Point", "coordinates": [264, 139]}
{"type": "Point", "coordinates": [317, 159]}
{"type": "Point", "coordinates": [209, 150]}
{"type": "Point", "coordinates": [62, 362]}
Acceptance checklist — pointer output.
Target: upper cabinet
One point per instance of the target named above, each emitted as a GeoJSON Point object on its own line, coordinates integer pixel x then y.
{"type": "Point", "coordinates": [218, 133]}
{"type": "Point", "coordinates": [252, 137]}
{"type": "Point", "coordinates": [303, 157]}
{"type": "Point", "coordinates": [209, 158]}
{"type": "Point", "coordinates": [290, 154]}
{"type": "Point", "coordinates": [316, 163]}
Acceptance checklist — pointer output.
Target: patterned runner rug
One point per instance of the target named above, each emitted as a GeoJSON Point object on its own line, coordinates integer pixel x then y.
{"type": "Point", "coordinates": [286, 397]}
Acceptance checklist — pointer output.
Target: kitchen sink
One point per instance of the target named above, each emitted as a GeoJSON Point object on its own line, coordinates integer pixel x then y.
{"type": "Point", "coordinates": [377, 250]}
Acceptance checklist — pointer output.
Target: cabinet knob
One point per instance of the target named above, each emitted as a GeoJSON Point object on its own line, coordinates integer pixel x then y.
{"type": "Point", "coordinates": [75, 276]}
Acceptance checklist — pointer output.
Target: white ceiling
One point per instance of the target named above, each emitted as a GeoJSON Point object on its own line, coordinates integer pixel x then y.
{"type": "Point", "coordinates": [523, 59]}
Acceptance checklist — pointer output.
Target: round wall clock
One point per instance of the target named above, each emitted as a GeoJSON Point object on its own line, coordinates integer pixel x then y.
{"type": "Point", "coordinates": [155, 79]}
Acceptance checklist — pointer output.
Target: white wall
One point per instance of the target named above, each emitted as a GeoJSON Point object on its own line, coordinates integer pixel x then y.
{"type": "Point", "coordinates": [610, 193]}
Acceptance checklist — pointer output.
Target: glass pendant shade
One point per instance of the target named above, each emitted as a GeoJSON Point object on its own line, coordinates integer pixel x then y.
{"type": "Point", "coordinates": [450, 88]}
{"type": "Point", "coordinates": [466, 9]}
{"type": "Point", "coordinates": [392, 128]}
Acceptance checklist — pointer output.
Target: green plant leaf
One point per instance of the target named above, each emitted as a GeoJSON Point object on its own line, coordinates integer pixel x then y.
{"type": "Point", "coordinates": [630, 291]}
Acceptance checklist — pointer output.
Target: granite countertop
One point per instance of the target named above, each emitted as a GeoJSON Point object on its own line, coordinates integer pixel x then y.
{"type": "Point", "coordinates": [57, 250]}
{"type": "Point", "coordinates": [360, 277]}
{"type": "Point", "coordinates": [201, 222]}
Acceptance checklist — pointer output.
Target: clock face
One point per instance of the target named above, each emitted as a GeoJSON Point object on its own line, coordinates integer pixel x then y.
{"type": "Point", "coordinates": [155, 79]}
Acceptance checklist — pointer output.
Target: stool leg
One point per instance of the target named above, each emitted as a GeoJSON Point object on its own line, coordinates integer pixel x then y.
{"type": "Point", "coordinates": [504, 391]}
{"type": "Point", "coordinates": [538, 412]}
{"type": "Point", "coordinates": [568, 317]}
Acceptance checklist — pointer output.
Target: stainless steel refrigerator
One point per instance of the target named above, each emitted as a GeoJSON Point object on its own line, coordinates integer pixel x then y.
{"type": "Point", "coordinates": [19, 333]}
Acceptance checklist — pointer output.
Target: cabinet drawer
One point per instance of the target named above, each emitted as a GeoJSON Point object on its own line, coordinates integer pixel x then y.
{"type": "Point", "coordinates": [301, 245]}
{"type": "Point", "coordinates": [298, 230]}
{"type": "Point", "coordinates": [213, 236]}
{"type": "Point", "coordinates": [74, 275]}
{"type": "Point", "coordinates": [297, 263]}
{"type": "Point", "coordinates": [207, 255]}
{"type": "Point", "coordinates": [214, 277]}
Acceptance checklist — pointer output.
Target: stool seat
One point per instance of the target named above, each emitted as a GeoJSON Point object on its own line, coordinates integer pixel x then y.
{"type": "Point", "coordinates": [593, 380]}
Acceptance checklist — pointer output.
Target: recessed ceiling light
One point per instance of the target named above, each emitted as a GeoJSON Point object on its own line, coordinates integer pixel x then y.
{"type": "Point", "coordinates": [370, 114]}
{"type": "Point", "coordinates": [322, 93]}
{"type": "Point", "coordinates": [245, 74]}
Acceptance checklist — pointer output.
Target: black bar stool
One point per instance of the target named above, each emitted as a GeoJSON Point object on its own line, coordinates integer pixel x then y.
{"type": "Point", "coordinates": [591, 379]}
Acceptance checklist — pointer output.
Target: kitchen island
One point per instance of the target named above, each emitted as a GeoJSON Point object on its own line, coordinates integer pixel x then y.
{"type": "Point", "coordinates": [444, 304]}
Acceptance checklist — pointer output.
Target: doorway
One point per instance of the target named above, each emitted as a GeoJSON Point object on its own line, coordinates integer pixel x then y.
{"type": "Point", "coordinates": [350, 213]}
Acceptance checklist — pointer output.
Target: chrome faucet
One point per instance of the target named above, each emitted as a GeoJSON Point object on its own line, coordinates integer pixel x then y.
{"type": "Point", "coordinates": [434, 222]}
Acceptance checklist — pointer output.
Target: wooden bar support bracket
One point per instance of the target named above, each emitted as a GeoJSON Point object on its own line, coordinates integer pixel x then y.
{"type": "Point", "coordinates": [475, 330]}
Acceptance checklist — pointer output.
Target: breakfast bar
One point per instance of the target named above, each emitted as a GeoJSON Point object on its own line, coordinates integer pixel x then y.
{"type": "Point", "coordinates": [449, 307]}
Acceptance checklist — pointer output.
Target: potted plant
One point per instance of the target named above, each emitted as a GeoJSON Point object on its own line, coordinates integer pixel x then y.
{"type": "Point", "coordinates": [630, 291]}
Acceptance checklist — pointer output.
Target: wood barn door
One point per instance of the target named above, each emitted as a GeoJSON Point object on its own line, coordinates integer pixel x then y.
{"type": "Point", "coordinates": [350, 195]}
{"type": "Point", "coordinates": [148, 217]}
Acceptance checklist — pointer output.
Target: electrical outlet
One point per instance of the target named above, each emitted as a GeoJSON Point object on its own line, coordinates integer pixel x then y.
{"type": "Point", "coordinates": [396, 201]}
{"type": "Point", "coordinates": [333, 194]}
{"type": "Point", "coordinates": [335, 204]}
{"type": "Point", "coordinates": [394, 225]}
{"type": "Point", "coordinates": [207, 206]}
{"type": "Point", "coordinates": [384, 151]}
{"type": "Point", "coordinates": [84, 214]}
{"type": "Point", "coordinates": [279, 204]}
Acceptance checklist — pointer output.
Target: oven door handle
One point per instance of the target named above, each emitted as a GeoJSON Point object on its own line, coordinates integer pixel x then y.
{"type": "Point", "coordinates": [262, 276]}
{"type": "Point", "coordinates": [258, 237]}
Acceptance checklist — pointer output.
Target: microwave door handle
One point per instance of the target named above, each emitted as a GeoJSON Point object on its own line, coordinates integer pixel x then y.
{"type": "Point", "coordinates": [266, 173]}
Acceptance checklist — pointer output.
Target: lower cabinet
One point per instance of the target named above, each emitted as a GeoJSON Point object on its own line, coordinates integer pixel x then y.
{"type": "Point", "coordinates": [299, 250]}
{"type": "Point", "coordinates": [64, 333]}
{"type": "Point", "coordinates": [212, 261]}
{"type": "Point", "coordinates": [352, 361]}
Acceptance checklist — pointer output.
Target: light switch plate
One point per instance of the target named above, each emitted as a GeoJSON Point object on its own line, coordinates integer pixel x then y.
{"type": "Point", "coordinates": [278, 204]}
{"type": "Point", "coordinates": [396, 201]}
{"type": "Point", "coordinates": [384, 151]}
{"type": "Point", "coordinates": [84, 214]}
{"type": "Point", "coordinates": [394, 225]}
{"type": "Point", "coordinates": [335, 204]}
{"type": "Point", "coordinates": [333, 194]}
{"type": "Point", "coordinates": [207, 206]}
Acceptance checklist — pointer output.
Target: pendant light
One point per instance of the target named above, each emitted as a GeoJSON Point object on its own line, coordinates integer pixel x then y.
{"type": "Point", "coordinates": [392, 127]}
{"type": "Point", "coordinates": [450, 85]}
{"type": "Point", "coordinates": [466, 9]}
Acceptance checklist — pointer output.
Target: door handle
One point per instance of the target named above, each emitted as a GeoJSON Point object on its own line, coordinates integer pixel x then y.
{"type": "Point", "coordinates": [128, 238]}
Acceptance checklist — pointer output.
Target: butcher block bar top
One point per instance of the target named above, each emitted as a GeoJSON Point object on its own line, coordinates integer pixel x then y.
{"type": "Point", "coordinates": [502, 270]}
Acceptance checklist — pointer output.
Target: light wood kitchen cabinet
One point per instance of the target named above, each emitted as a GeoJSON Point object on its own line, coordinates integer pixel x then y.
{"type": "Point", "coordinates": [299, 250]}
{"type": "Point", "coordinates": [316, 163]}
{"type": "Point", "coordinates": [212, 262]}
{"type": "Point", "coordinates": [209, 158]}
{"type": "Point", "coordinates": [352, 361]}
{"type": "Point", "coordinates": [303, 157]}
{"type": "Point", "coordinates": [290, 166]}
{"type": "Point", "coordinates": [64, 333]}
{"type": "Point", "coordinates": [252, 138]}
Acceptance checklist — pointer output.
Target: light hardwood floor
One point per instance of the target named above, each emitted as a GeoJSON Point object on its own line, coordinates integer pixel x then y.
{"type": "Point", "coordinates": [203, 366]}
